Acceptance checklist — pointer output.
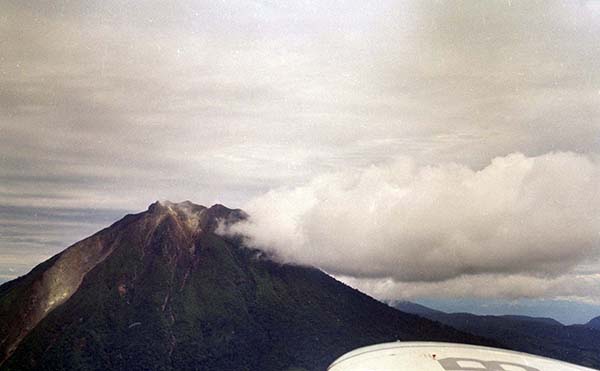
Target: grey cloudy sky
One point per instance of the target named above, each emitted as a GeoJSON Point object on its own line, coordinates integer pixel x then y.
{"type": "Point", "coordinates": [106, 106]}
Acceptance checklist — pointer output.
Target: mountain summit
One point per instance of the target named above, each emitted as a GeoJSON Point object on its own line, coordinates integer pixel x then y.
{"type": "Point", "coordinates": [161, 290]}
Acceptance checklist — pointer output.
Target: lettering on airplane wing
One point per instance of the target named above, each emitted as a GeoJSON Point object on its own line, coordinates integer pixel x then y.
{"type": "Point", "coordinates": [472, 364]}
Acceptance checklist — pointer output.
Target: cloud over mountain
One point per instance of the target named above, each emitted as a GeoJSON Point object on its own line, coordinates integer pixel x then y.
{"type": "Point", "coordinates": [518, 216]}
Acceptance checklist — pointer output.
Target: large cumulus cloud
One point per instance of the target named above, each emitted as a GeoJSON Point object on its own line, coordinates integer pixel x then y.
{"type": "Point", "coordinates": [518, 216]}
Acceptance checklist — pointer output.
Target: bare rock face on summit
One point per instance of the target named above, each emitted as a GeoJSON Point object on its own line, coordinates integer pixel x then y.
{"type": "Point", "coordinates": [161, 290]}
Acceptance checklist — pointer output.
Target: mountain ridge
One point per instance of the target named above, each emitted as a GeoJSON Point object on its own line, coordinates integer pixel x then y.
{"type": "Point", "coordinates": [58, 283]}
{"type": "Point", "coordinates": [160, 290]}
{"type": "Point", "coordinates": [535, 335]}
{"type": "Point", "coordinates": [594, 323]}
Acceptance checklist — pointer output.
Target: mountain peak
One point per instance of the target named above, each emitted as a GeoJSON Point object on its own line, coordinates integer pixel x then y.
{"type": "Point", "coordinates": [166, 205]}
{"type": "Point", "coordinates": [167, 234]}
{"type": "Point", "coordinates": [161, 290]}
{"type": "Point", "coordinates": [196, 217]}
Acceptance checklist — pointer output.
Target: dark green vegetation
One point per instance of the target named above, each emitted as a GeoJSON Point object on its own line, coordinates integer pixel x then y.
{"type": "Point", "coordinates": [164, 292]}
{"type": "Point", "coordinates": [542, 336]}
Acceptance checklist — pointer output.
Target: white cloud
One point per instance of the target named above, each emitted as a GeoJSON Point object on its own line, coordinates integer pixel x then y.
{"type": "Point", "coordinates": [517, 217]}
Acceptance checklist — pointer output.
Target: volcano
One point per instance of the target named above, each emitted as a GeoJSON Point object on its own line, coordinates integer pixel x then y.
{"type": "Point", "coordinates": [162, 290]}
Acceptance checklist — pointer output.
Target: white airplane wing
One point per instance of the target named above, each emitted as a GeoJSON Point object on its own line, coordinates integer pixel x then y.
{"type": "Point", "coordinates": [426, 356]}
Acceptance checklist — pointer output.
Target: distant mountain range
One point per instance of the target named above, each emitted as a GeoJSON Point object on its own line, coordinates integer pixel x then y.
{"type": "Point", "coordinates": [543, 336]}
{"type": "Point", "coordinates": [160, 290]}
{"type": "Point", "coordinates": [594, 323]}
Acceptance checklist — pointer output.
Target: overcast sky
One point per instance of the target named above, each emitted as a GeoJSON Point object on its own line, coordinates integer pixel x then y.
{"type": "Point", "coordinates": [412, 148]}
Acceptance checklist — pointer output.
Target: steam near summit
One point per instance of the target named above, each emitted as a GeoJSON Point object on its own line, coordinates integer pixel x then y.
{"type": "Point", "coordinates": [518, 227]}
{"type": "Point", "coordinates": [161, 290]}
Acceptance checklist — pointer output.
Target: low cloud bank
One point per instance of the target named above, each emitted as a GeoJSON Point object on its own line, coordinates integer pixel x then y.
{"type": "Point", "coordinates": [572, 287]}
{"type": "Point", "coordinates": [526, 216]}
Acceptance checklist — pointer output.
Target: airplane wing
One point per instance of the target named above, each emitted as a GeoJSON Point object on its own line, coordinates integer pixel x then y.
{"type": "Point", "coordinates": [428, 356]}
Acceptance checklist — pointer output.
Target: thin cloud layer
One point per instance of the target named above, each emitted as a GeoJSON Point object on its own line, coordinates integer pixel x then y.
{"type": "Point", "coordinates": [572, 287]}
{"type": "Point", "coordinates": [519, 216]}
